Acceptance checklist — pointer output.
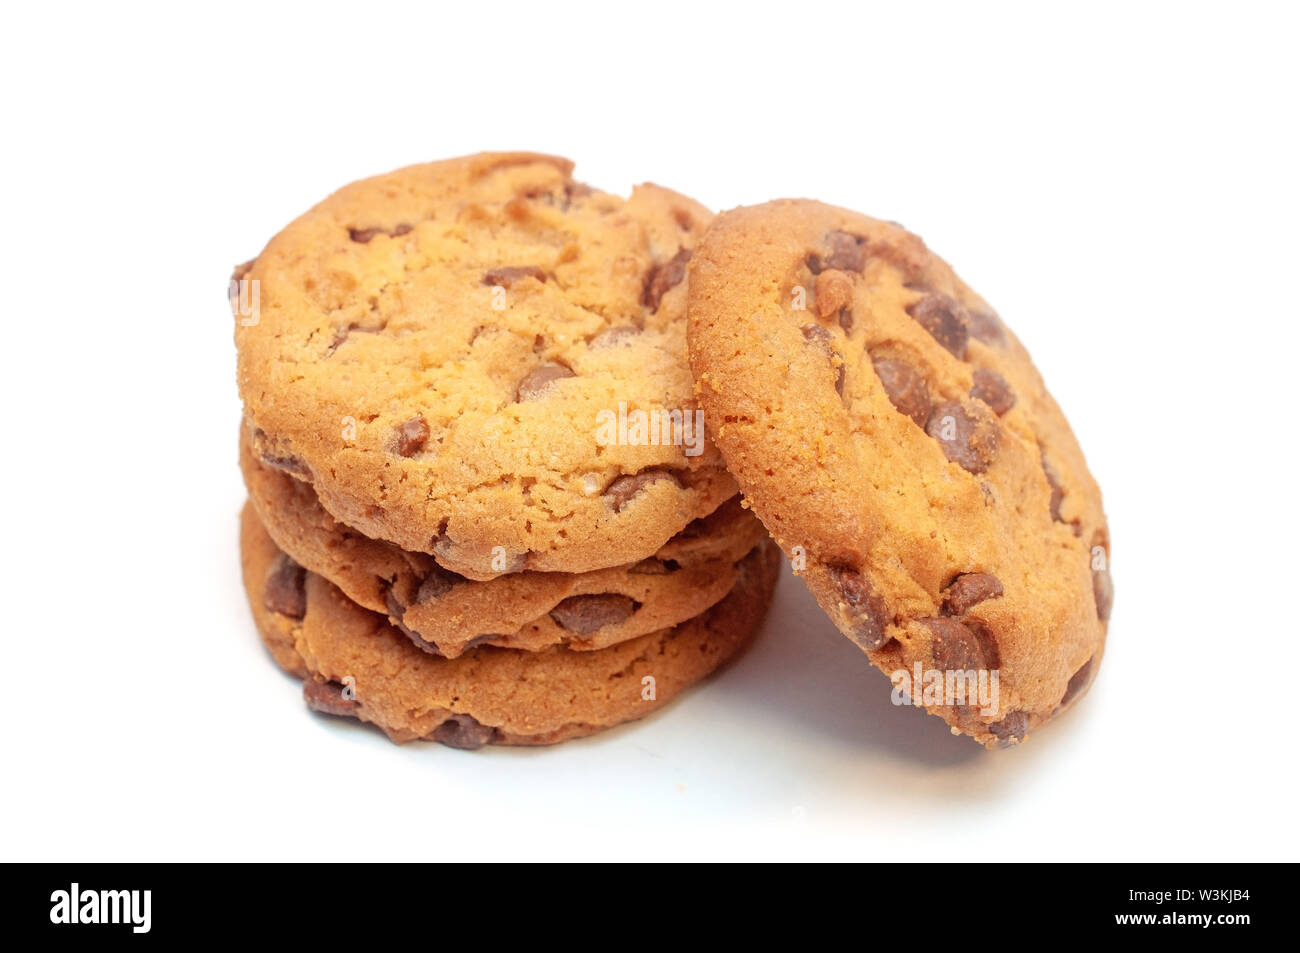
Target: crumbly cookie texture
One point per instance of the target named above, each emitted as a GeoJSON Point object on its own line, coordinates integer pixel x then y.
{"type": "Point", "coordinates": [355, 664]}
{"type": "Point", "coordinates": [434, 349]}
{"type": "Point", "coordinates": [893, 435]}
{"type": "Point", "coordinates": [446, 614]}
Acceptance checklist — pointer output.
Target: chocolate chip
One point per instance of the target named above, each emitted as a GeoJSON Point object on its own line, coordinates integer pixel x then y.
{"type": "Point", "coordinates": [412, 436]}
{"type": "Point", "coordinates": [462, 731]}
{"type": "Point", "coordinates": [908, 254]}
{"type": "Point", "coordinates": [535, 384]}
{"type": "Point", "coordinates": [992, 388]}
{"type": "Point", "coordinates": [340, 336]}
{"type": "Point", "coordinates": [583, 615]}
{"type": "Point", "coordinates": [286, 464]}
{"type": "Point", "coordinates": [1010, 729]}
{"type": "Point", "coordinates": [327, 697]}
{"type": "Point", "coordinates": [284, 590]}
{"type": "Point", "coordinates": [364, 235]}
{"type": "Point", "coordinates": [988, 642]}
{"type": "Point", "coordinates": [661, 278]}
{"type": "Point", "coordinates": [968, 589]}
{"type": "Point", "coordinates": [864, 611]}
{"type": "Point", "coordinates": [571, 190]}
{"type": "Point", "coordinates": [984, 326]}
{"type": "Point", "coordinates": [436, 584]}
{"type": "Point", "coordinates": [847, 253]}
{"type": "Point", "coordinates": [575, 190]}
{"type": "Point", "coordinates": [966, 439]}
{"type": "Point", "coordinates": [833, 292]}
{"type": "Point", "coordinates": [959, 647]}
{"type": "Point", "coordinates": [621, 491]}
{"type": "Point", "coordinates": [905, 388]}
{"type": "Point", "coordinates": [1058, 491]}
{"type": "Point", "coordinates": [354, 327]}
{"type": "Point", "coordinates": [941, 316]}
{"type": "Point", "coordinates": [820, 338]}
{"type": "Point", "coordinates": [1078, 682]}
{"type": "Point", "coordinates": [396, 615]}
{"type": "Point", "coordinates": [507, 276]}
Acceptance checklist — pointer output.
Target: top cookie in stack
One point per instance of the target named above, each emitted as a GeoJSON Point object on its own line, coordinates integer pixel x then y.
{"type": "Point", "coordinates": [433, 347]}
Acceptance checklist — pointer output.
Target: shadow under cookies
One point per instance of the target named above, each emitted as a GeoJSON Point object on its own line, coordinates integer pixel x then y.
{"type": "Point", "coordinates": [820, 704]}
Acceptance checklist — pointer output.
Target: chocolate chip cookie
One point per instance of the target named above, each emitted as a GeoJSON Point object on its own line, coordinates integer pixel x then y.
{"type": "Point", "coordinates": [354, 663]}
{"type": "Point", "coordinates": [895, 438]}
{"type": "Point", "coordinates": [446, 614]}
{"type": "Point", "coordinates": [451, 353]}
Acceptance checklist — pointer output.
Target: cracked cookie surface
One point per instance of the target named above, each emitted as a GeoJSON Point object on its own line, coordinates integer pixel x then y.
{"type": "Point", "coordinates": [887, 426]}
{"type": "Point", "coordinates": [434, 348]}
{"type": "Point", "coordinates": [355, 664]}
{"type": "Point", "coordinates": [446, 614]}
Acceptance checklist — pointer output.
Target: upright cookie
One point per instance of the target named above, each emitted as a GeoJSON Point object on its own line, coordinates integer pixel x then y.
{"type": "Point", "coordinates": [355, 664]}
{"type": "Point", "coordinates": [446, 614]}
{"type": "Point", "coordinates": [895, 438]}
{"type": "Point", "coordinates": [484, 360]}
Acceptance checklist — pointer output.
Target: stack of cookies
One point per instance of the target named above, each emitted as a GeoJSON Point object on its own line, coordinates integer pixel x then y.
{"type": "Point", "coordinates": [482, 507]}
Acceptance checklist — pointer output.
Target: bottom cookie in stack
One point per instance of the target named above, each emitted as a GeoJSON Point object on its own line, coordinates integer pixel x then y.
{"type": "Point", "coordinates": [354, 662]}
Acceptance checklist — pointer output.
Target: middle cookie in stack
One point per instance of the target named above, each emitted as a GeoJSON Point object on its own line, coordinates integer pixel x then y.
{"type": "Point", "coordinates": [446, 614]}
{"type": "Point", "coordinates": [441, 397]}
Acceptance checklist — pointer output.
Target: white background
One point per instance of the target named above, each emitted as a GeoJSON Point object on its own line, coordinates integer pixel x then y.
{"type": "Point", "coordinates": [1120, 182]}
